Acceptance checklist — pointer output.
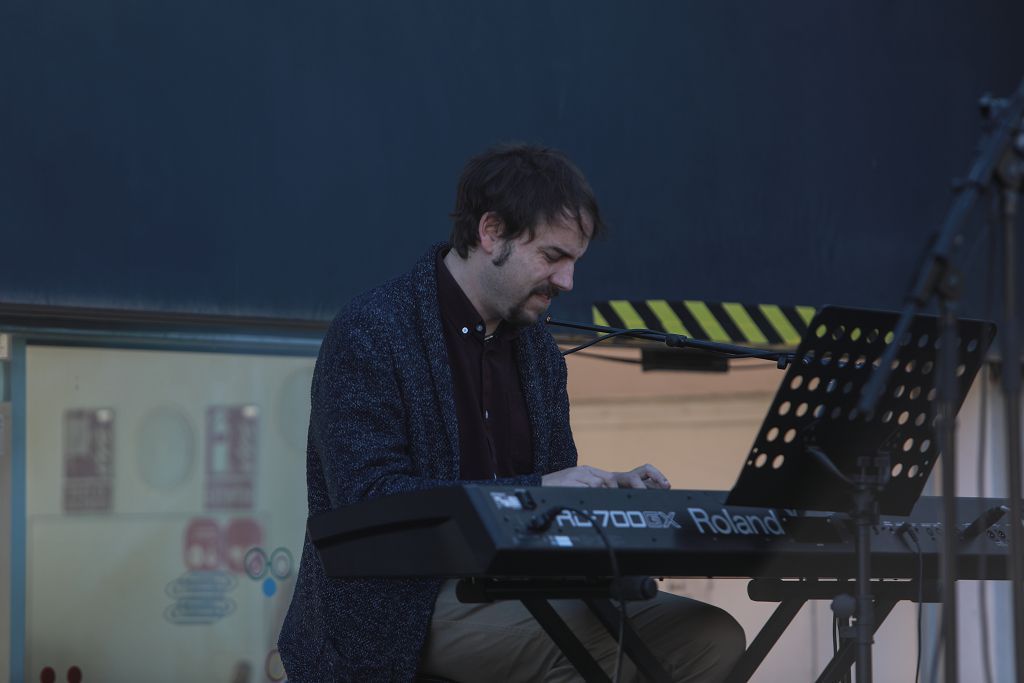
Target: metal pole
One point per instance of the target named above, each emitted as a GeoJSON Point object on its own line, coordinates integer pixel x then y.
{"type": "Point", "coordinates": [865, 604]}
{"type": "Point", "coordinates": [1011, 399]}
{"type": "Point", "coordinates": [946, 378]}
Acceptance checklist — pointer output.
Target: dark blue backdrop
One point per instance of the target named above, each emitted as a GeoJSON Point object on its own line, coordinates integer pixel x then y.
{"type": "Point", "coordinates": [275, 158]}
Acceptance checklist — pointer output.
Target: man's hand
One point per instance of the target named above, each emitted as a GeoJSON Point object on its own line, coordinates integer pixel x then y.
{"type": "Point", "coordinates": [643, 477]}
{"type": "Point", "coordinates": [584, 475]}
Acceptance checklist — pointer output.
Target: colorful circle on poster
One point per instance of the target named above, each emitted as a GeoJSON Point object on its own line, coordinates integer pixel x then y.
{"type": "Point", "coordinates": [281, 563]}
{"type": "Point", "coordinates": [256, 564]}
{"type": "Point", "coordinates": [202, 545]}
{"type": "Point", "coordinates": [239, 538]}
{"type": "Point", "coordinates": [269, 587]}
{"type": "Point", "coordinates": [47, 675]}
{"type": "Point", "coordinates": [166, 449]}
{"type": "Point", "coordinates": [74, 675]}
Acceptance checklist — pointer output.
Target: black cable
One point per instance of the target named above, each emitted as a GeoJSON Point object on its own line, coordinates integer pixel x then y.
{"type": "Point", "coordinates": [920, 601]}
{"type": "Point", "coordinates": [602, 337]}
{"type": "Point", "coordinates": [848, 676]}
{"type": "Point", "coordinates": [827, 464]}
{"type": "Point", "coordinates": [835, 636]}
{"type": "Point", "coordinates": [904, 531]}
{"type": "Point", "coordinates": [616, 576]}
{"type": "Point", "coordinates": [543, 521]}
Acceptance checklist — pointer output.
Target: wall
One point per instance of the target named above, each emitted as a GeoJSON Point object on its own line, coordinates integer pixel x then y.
{"type": "Point", "coordinates": [260, 158]}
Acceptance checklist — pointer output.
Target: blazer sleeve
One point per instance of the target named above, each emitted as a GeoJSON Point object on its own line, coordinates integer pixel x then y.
{"type": "Point", "coordinates": [562, 446]}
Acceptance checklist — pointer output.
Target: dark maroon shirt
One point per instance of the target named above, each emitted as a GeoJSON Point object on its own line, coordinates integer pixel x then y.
{"type": "Point", "coordinates": [494, 427]}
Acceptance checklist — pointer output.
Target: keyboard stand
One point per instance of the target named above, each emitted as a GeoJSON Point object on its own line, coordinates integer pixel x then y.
{"type": "Point", "coordinates": [792, 595]}
{"type": "Point", "coordinates": [596, 594]}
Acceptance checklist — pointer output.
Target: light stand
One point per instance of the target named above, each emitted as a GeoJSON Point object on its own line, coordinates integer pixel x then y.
{"type": "Point", "coordinates": [1010, 176]}
{"type": "Point", "coordinates": [938, 278]}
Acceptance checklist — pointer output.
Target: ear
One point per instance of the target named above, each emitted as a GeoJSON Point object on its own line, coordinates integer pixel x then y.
{"type": "Point", "coordinates": [490, 229]}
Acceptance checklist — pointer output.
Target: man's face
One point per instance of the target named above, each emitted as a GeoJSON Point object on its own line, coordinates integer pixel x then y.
{"type": "Point", "coordinates": [525, 274]}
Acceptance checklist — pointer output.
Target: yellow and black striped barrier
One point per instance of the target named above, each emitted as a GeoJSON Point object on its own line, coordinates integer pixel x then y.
{"type": "Point", "coordinates": [729, 322]}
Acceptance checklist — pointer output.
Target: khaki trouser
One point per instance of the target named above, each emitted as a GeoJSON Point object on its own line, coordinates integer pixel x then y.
{"type": "Point", "coordinates": [500, 641]}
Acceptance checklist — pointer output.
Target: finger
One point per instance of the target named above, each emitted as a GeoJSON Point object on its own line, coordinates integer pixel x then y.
{"type": "Point", "coordinates": [604, 479]}
{"type": "Point", "coordinates": [655, 479]}
{"type": "Point", "coordinates": [631, 480]}
{"type": "Point", "coordinates": [596, 471]}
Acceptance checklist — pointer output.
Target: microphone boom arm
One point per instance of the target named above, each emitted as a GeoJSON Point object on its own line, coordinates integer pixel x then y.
{"type": "Point", "coordinates": [781, 358]}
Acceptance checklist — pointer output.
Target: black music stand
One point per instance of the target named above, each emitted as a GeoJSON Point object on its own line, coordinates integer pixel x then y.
{"type": "Point", "coordinates": [816, 451]}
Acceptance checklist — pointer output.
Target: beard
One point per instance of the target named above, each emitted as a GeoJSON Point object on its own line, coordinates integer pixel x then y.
{"type": "Point", "coordinates": [503, 255]}
{"type": "Point", "coordinates": [519, 316]}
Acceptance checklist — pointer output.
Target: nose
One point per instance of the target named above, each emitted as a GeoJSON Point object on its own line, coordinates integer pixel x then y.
{"type": "Point", "coordinates": [562, 278]}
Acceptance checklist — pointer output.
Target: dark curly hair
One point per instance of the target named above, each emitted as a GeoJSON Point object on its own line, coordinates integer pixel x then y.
{"type": "Point", "coordinates": [522, 184]}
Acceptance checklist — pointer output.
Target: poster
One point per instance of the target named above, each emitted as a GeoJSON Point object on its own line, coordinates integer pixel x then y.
{"type": "Point", "coordinates": [88, 460]}
{"type": "Point", "coordinates": [232, 434]}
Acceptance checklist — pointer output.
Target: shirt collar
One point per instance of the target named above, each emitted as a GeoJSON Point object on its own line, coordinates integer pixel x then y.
{"type": "Point", "coordinates": [458, 310]}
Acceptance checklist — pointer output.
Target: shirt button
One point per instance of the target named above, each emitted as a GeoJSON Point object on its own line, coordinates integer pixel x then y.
{"type": "Point", "coordinates": [479, 328]}
{"type": "Point", "coordinates": [487, 415]}
{"type": "Point", "coordinates": [465, 330]}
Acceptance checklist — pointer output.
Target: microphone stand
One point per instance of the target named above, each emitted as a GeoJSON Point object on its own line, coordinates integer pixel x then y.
{"type": "Point", "coordinates": [999, 163]}
{"type": "Point", "coordinates": [679, 341]}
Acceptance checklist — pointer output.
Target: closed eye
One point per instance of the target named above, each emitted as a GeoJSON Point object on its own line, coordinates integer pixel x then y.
{"type": "Point", "coordinates": [555, 255]}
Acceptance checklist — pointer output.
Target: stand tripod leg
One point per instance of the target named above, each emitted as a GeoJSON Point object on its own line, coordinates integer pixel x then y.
{"type": "Point", "coordinates": [865, 605]}
{"type": "Point", "coordinates": [946, 381]}
{"type": "Point", "coordinates": [840, 664]}
{"type": "Point", "coordinates": [1011, 396]}
{"type": "Point", "coordinates": [566, 641]}
{"type": "Point", "coordinates": [765, 640]}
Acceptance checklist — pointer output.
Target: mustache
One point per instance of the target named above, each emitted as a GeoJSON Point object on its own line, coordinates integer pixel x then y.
{"type": "Point", "coordinates": [548, 291]}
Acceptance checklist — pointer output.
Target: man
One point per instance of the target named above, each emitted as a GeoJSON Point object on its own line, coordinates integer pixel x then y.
{"type": "Point", "coordinates": [444, 376]}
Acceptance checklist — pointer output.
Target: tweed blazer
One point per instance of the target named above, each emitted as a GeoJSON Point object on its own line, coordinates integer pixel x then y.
{"type": "Point", "coordinates": [383, 422]}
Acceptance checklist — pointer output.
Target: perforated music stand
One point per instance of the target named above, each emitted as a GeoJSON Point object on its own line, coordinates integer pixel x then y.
{"type": "Point", "coordinates": [816, 451]}
{"type": "Point", "coordinates": [815, 409]}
